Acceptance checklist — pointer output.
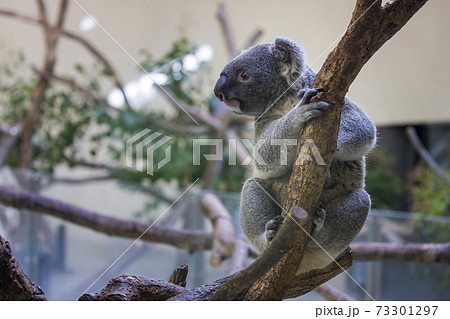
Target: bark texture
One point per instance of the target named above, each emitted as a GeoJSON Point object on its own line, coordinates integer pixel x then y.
{"type": "Point", "coordinates": [14, 284]}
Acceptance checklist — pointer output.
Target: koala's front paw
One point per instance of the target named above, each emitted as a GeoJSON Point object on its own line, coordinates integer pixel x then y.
{"type": "Point", "coordinates": [310, 110]}
{"type": "Point", "coordinates": [272, 227]}
{"type": "Point", "coordinates": [318, 219]}
{"type": "Point", "coordinates": [305, 95]}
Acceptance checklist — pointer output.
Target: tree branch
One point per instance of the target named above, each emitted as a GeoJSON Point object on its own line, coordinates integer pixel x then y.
{"type": "Point", "coordinates": [205, 118]}
{"type": "Point", "coordinates": [309, 281]}
{"type": "Point", "coordinates": [331, 293]}
{"type": "Point", "coordinates": [83, 163]}
{"type": "Point", "coordinates": [73, 36]}
{"type": "Point", "coordinates": [222, 16]}
{"type": "Point", "coordinates": [76, 87]}
{"type": "Point", "coordinates": [44, 18]}
{"type": "Point", "coordinates": [211, 121]}
{"type": "Point", "coordinates": [135, 288]}
{"type": "Point", "coordinates": [337, 73]}
{"type": "Point", "coordinates": [424, 154]}
{"type": "Point", "coordinates": [406, 252]}
{"type": "Point", "coordinates": [254, 38]}
{"type": "Point", "coordinates": [237, 286]}
{"type": "Point", "coordinates": [240, 255]}
{"type": "Point", "coordinates": [394, 15]}
{"type": "Point", "coordinates": [190, 240]}
{"type": "Point", "coordinates": [224, 236]}
{"type": "Point", "coordinates": [33, 113]}
{"type": "Point", "coordinates": [179, 275]}
{"type": "Point", "coordinates": [140, 288]}
{"type": "Point", "coordinates": [63, 180]}
{"type": "Point", "coordinates": [14, 284]}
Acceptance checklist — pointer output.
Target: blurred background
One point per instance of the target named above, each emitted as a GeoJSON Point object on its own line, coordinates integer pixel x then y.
{"type": "Point", "coordinates": [69, 100]}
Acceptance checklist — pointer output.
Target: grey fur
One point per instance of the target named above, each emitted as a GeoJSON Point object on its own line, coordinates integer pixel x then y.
{"type": "Point", "coordinates": [262, 83]}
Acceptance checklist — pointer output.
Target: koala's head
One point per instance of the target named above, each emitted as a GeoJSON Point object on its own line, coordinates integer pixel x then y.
{"type": "Point", "coordinates": [261, 76]}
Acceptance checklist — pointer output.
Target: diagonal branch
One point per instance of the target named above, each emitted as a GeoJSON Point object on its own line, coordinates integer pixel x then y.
{"type": "Point", "coordinates": [254, 38]}
{"type": "Point", "coordinates": [394, 15]}
{"type": "Point", "coordinates": [226, 30]}
{"type": "Point", "coordinates": [424, 154]}
{"type": "Point", "coordinates": [341, 67]}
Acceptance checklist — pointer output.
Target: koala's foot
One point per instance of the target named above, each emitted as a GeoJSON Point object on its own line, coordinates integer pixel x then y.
{"type": "Point", "coordinates": [318, 219]}
{"type": "Point", "coordinates": [272, 227]}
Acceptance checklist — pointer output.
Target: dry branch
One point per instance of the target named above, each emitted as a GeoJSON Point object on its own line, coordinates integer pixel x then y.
{"type": "Point", "coordinates": [135, 288]}
{"type": "Point", "coordinates": [225, 241]}
{"type": "Point", "coordinates": [227, 33]}
{"type": "Point", "coordinates": [240, 255]}
{"type": "Point", "coordinates": [190, 240]}
{"type": "Point", "coordinates": [254, 38]}
{"type": "Point", "coordinates": [224, 236]}
{"type": "Point", "coordinates": [139, 288]}
{"type": "Point", "coordinates": [179, 275]}
{"type": "Point", "coordinates": [14, 284]}
{"type": "Point", "coordinates": [38, 95]}
{"type": "Point", "coordinates": [424, 154]}
{"type": "Point", "coordinates": [93, 165]}
{"type": "Point", "coordinates": [331, 293]}
{"type": "Point", "coordinates": [205, 118]}
{"type": "Point", "coordinates": [407, 252]}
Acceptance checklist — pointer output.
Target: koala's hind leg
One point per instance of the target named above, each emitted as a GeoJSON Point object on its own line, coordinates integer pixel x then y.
{"type": "Point", "coordinates": [259, 214]}
{"type": "Point", "coordinates": [344, 218]}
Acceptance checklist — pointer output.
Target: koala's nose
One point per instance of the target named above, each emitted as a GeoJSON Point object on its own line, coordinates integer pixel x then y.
{"type": "Point", "coordinates": [220, 87]}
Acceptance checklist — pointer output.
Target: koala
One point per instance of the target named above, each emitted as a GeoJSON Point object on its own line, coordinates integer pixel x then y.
{"type": "Point", "coordinates": [271, 83]}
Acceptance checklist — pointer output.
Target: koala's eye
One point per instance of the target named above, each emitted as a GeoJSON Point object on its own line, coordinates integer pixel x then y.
{"type": "Point", "coordinates": [244, 76]}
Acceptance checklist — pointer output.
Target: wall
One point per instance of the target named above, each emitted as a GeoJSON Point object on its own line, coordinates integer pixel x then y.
{"type": "Point", "coordinates": [402, 83]}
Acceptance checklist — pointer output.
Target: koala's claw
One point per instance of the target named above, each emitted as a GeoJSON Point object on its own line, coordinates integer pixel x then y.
{"type": "Point", "coordinates": [305, 95]}
{"type": "Point", "coordinates": [309, 110]}
{"type": "Point", "coordinates": [301, 93]}
{"type": "Point", "coordinates": [272, 227]}
{"type": "Point", "coordinates": [318, 219]}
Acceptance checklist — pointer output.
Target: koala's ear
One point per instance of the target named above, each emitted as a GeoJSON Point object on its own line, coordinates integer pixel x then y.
{"type": "Point", "coordinates": [288, 53]}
